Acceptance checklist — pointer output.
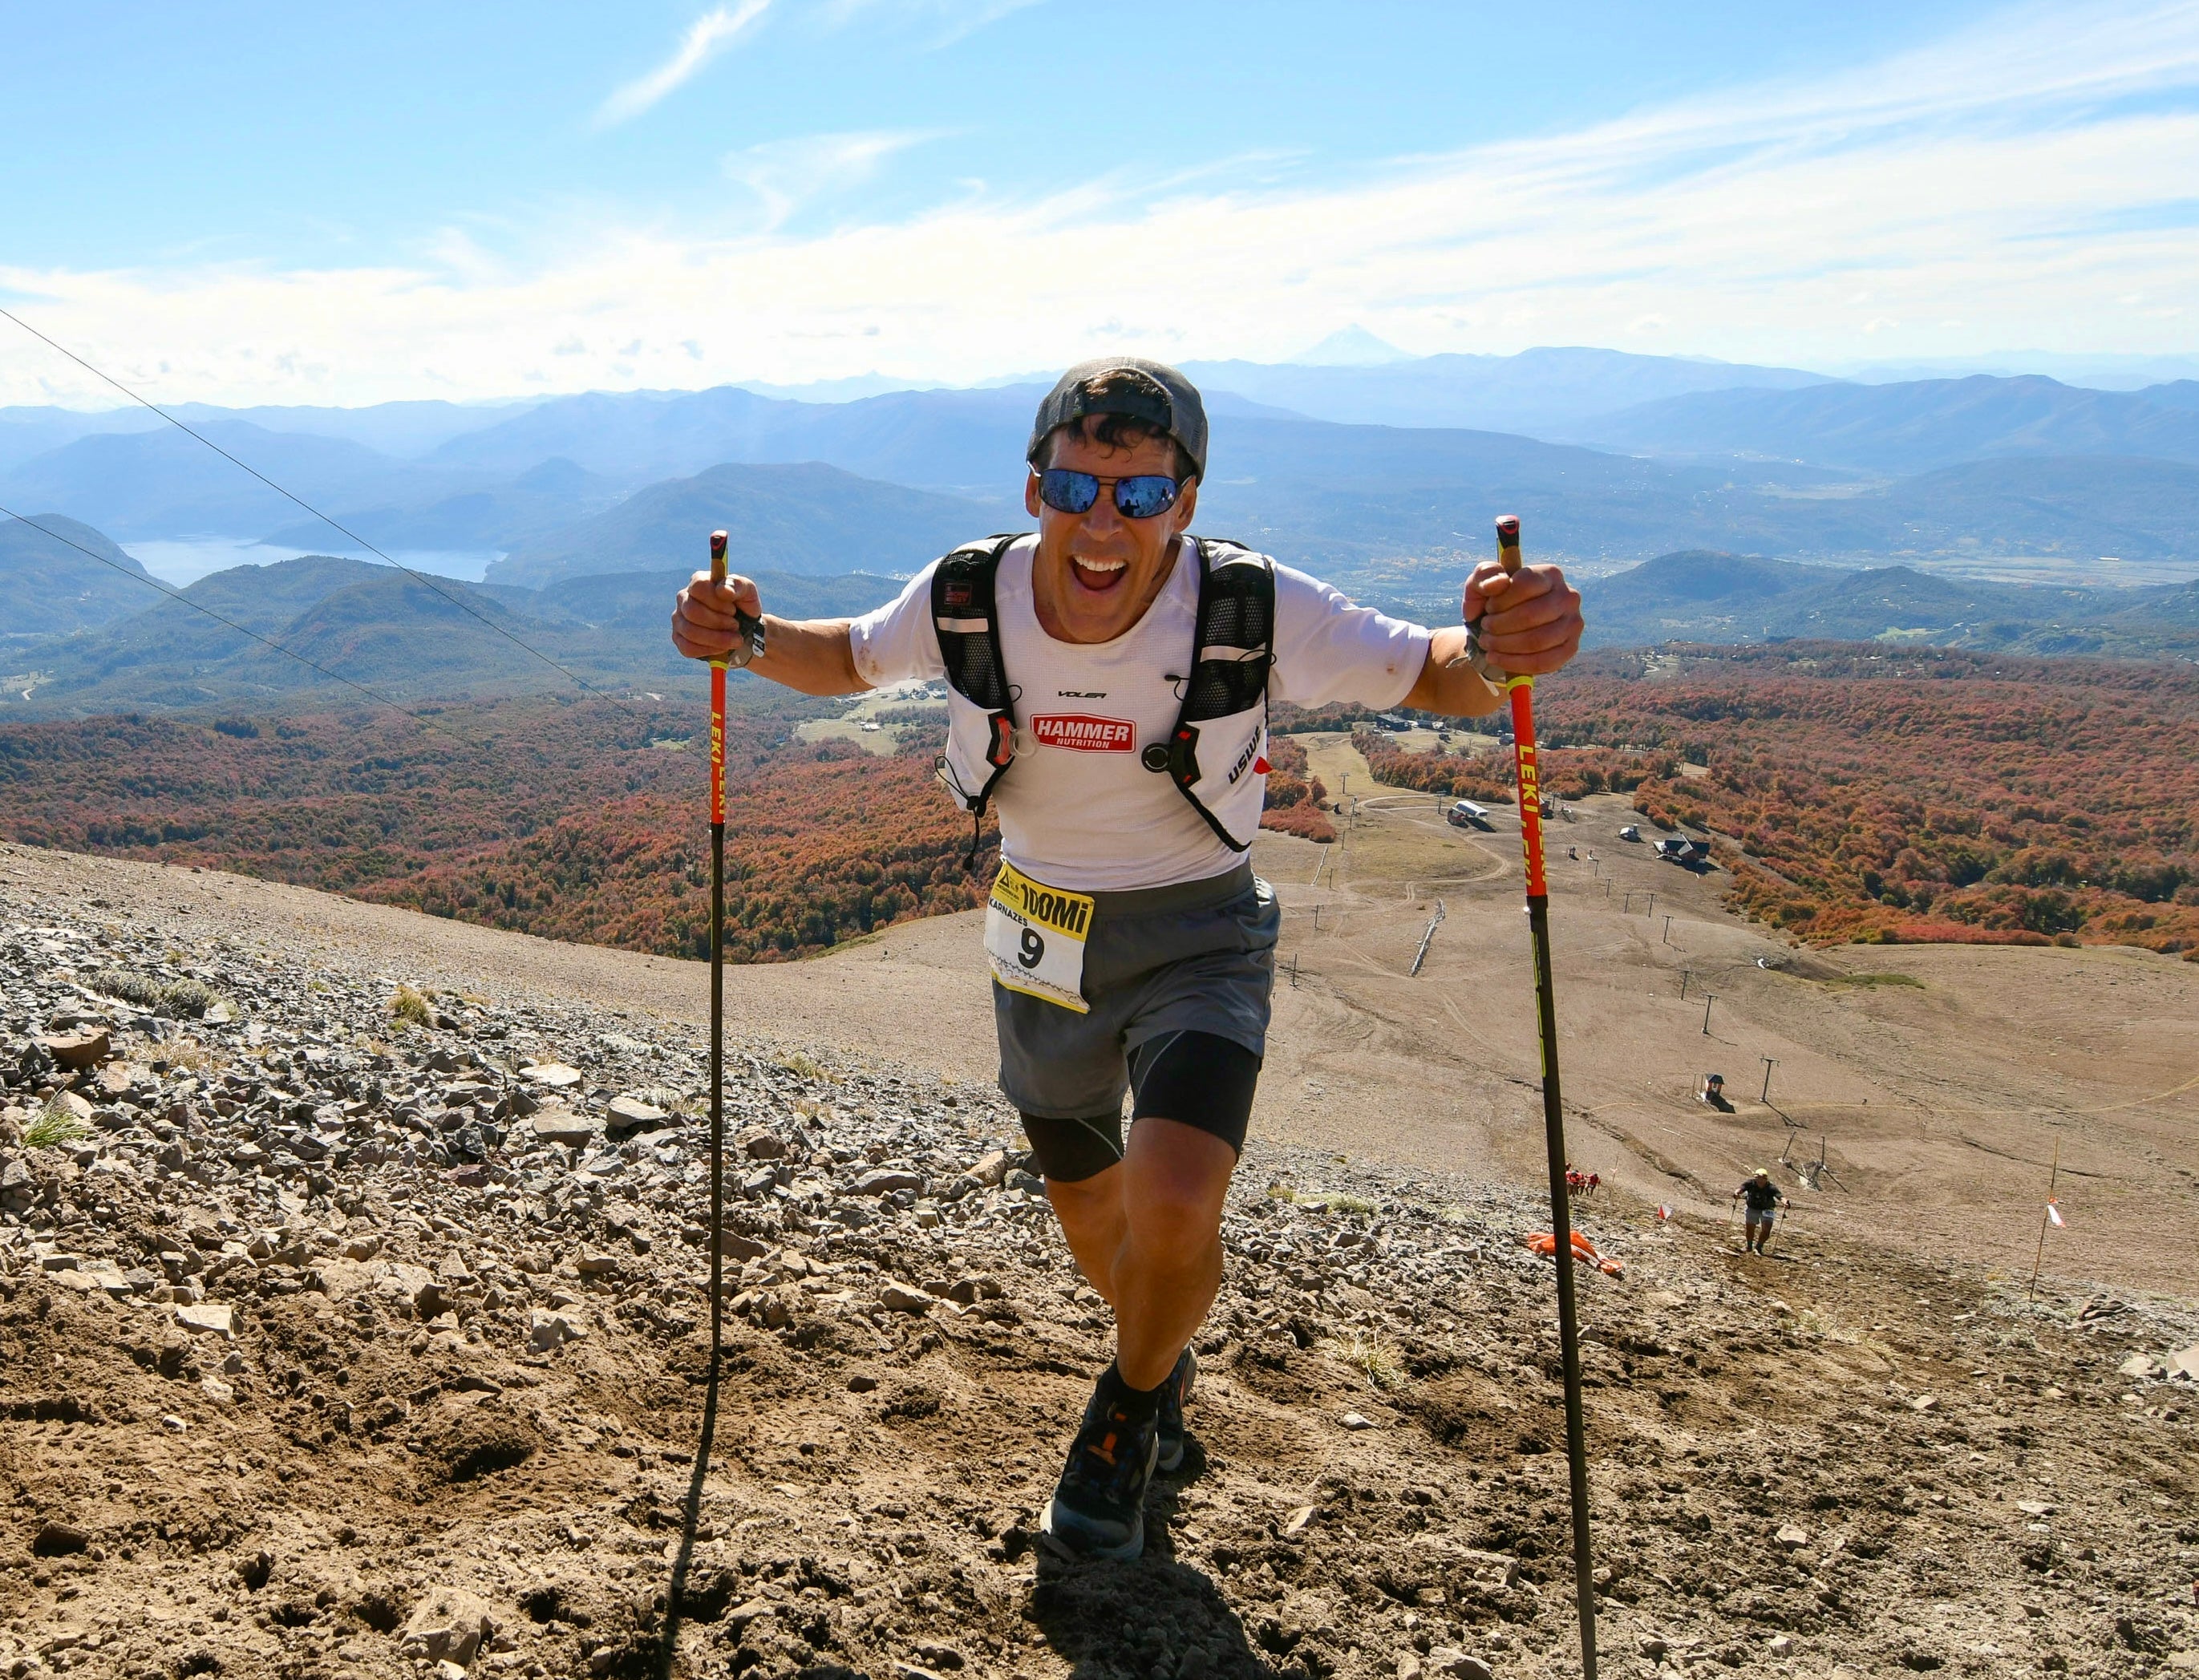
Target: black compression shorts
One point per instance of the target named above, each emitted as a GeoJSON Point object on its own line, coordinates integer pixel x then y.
{"type": "Point", "coordinates": [1199, 1079]}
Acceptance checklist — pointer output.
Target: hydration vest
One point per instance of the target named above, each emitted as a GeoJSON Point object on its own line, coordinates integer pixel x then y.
{"type": "Point", "coordinates": [1213, 754]}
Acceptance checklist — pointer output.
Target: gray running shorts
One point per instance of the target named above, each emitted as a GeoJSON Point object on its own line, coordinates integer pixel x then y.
{"type": "Point", "coordinates": [1198, 957]}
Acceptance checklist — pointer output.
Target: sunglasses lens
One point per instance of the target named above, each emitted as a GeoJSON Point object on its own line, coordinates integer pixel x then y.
{"type": "Point", "coordinates": [1068, 491]}
{"type": "Point", "coordinates": [1143, 496]}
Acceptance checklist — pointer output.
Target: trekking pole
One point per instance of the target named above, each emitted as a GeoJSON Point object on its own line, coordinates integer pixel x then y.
{"type": "Point", "coordinates": [1521, 690]}
{"type": "Point", "coordinates": [717, 973]}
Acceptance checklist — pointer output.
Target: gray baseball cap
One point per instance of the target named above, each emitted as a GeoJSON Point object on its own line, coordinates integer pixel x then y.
{"type": "Point", "coordinates": [1175, 408]}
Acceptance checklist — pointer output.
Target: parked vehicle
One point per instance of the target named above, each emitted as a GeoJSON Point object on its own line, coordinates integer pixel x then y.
{"type": "Point", "coordinates": [1467, 814]}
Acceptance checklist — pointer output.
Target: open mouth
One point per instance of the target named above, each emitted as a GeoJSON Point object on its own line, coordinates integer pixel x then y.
{"type": "Point", "coordinates": [1096, 574]}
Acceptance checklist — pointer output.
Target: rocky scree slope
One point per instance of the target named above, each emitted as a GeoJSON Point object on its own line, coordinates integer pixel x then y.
{"type": "Point", "coordinates": [336, 1342]}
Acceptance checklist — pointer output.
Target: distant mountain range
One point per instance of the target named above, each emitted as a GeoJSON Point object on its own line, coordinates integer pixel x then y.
{"type": "Point", "coordinates": [47, 588]}
{"type": "Point", "coordinates": [810, 519]}
{"type": "Point", "coordinates": [1539, 393]}
{"type": "Point", "coordinates": [547, 498]}
{"type": "Point", "coordinates": [401, 637]}
{"type": "Point", "coordinates": [1704, 596]}
{"type": "Point", "coordinates": [1654, 455]}
{"type": "Point", "coordinates": [1909, 429]}
{"type": "Point", "coordinates": [385, 630]}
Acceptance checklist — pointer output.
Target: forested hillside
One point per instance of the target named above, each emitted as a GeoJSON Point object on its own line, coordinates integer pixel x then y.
{"type": "Point", "coordinates": [1862, 792]}
{"type": "Point", "coordinates": [1916, 795]}
{"type": "Point", "coordinates": [583, 821]}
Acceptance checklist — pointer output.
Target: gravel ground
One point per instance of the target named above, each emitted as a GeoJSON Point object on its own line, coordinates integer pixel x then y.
{"type": "Point", "coordinates": [334, 1342]}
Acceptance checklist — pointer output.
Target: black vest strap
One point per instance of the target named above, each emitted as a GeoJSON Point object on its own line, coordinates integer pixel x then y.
{"type": "Point", "coordinates": [969, 628]}
{"type": "Point", "coordinates": [1235, 652]}
{"type": "Point", "coordinates": [1230, 666]}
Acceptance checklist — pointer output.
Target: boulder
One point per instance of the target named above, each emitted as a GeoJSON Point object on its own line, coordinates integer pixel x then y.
{"type": "Point", "coordinates": [762, 1144]}
{"type": "Point", "coordinates": [886, 1180]}
{"type": "Point", "coordinates": [1448, 1660]}
{"type": "Point", "coordinates": [628, 1114]}
{"type": "Point", "coordinates": [211, 1318]}
{"type": "Point", "coordinates": [86, 1047]}
{"type": "Point", "coordinates": [547, 1329]}
{"type": "Point", "coordinates": [903, 1298]}
{"type": "Point", "coordinates": [552, 1076]}
{"type": "Point", "coordinates": [448, 1625]}
{"type": "Point", "coordinates": [560, 1125]}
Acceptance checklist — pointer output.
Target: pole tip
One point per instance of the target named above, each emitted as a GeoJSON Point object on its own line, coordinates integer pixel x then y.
{"type": "Point", "coordinates": [718, 545]}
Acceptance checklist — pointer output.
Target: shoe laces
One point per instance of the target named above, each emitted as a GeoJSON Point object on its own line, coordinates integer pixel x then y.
{"type": "Point", "coordinates": [1108, 1459]}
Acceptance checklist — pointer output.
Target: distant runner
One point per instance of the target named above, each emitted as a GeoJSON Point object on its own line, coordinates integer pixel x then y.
{"type": "Point", "coordinates": [1763, 1202]}
{"type": "Point", "coordinates": [1108, 680]}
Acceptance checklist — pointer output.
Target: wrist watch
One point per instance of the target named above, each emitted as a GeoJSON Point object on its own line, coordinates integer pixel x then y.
{"type": "Point", "coordinates": [1479, 657]}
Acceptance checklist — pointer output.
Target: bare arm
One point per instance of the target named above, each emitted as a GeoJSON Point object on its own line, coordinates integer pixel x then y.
{"type": "Point", "coordinates": [809, 655]}
{"type": "Point", "coordinates": [1531, 625]}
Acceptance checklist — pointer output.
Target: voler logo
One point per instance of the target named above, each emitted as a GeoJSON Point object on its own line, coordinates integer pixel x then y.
{"type": "Point", "coordinates": [1081, 733]}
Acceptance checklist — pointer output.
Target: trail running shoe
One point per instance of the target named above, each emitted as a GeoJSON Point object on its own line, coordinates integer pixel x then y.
{"type": "Point", "coordinates": [1174, 1393]}
{"type": "Point", "coordinates": [1098, 1509]}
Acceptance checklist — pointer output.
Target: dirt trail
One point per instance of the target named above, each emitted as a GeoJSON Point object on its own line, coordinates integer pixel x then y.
{"type": "Point", "coordinates": [321, 1356]}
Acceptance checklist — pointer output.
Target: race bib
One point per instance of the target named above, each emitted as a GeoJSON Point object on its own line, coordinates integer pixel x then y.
{"type": "Point", "coordinates": [1034, 938]}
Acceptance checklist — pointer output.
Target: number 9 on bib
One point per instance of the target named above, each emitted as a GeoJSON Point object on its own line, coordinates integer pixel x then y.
{"type": "Point", "coordinates": [1034, 938]}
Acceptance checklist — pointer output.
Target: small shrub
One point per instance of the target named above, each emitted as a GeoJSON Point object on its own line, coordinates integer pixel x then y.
{"type": "Point", "coordinates": [129, 985]}
{"type": "Point", "coordinates": [188, 1055]}
{"type": "Point", "coordinates": [1341, 1202]}
{"type": "Point", "coordinates": [54, 1126]}
{"type": "Point", "coordinates": [1374, 1359]}
{"type": "Point", "coordinates": [188, 999]}
{"type": "Point", "coordinates": [410, 1009]}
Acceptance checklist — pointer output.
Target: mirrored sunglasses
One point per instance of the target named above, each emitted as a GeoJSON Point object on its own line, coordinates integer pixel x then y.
{"type": "Point", "coordinates": [1140, 497]}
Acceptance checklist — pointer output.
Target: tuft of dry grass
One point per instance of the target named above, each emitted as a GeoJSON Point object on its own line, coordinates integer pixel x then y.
{"type": "Point", "coordinates": [409, 1008]}
{"type": "Point", "coordinates": [1375, 1360]}
{"type": "Point", "coordinates": [55, 1126]}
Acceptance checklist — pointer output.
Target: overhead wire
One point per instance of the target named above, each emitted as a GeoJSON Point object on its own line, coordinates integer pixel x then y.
{"type": "Point", "coordinates": [200, 606]}
{"type": "Point", "coordinates": [456, 600]}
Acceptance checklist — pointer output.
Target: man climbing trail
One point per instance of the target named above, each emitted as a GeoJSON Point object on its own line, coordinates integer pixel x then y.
{"type": "Point", "coordinates": [1108, 682]}
{"type": "Point", "coordinates": [1763, 1202]}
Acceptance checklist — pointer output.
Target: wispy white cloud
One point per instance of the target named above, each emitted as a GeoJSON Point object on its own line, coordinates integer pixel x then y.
{"type": "Point", "coordinates": [785, 175]}
{"type": "Point", "coordinates": [706, 38]}
{"type": "Point", "coordinates": [946, 21]}
{"type": "Point", "coordinates": [2024, 185]}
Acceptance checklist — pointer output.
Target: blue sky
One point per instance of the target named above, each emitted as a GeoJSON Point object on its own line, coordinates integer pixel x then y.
{"type": "Point", "coordinates": [255, 202]}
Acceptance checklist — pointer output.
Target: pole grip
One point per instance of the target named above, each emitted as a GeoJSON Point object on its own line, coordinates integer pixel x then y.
{"type": "Point", "coordinates": [717, 556]}
{"type": "Point", "coordinates": [1507, 542]}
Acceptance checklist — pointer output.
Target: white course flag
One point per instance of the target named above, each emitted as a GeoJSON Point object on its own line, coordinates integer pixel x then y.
{"type": "Point", "coordinates": [2054, 1213]}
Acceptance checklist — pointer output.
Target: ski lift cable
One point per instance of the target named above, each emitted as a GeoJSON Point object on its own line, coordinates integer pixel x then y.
{"type": "Point", "coordinates": [417, 577]}
{"type": "Point", "coordinates": [200, 606]}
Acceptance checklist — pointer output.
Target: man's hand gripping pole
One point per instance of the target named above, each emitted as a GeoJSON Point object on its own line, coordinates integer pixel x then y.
{"type": "Point", "coordinates": [1521, 692]}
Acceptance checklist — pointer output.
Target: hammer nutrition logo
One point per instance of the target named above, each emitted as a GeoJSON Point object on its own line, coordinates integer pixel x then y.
{"type": "Point", "coordinates": [1081, 733]}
